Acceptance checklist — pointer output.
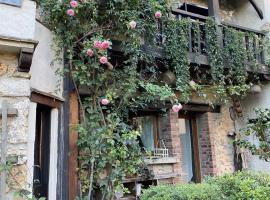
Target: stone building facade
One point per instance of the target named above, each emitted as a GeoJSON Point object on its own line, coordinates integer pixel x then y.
{"type": "Point", "coordinates": [27, 82]}
{"type": "Point", "coordinates": [30, 86]}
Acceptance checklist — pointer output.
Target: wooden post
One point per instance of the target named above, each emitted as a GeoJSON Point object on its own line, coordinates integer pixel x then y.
{"type": "Point", "coordinates": [213, 9]}
{"type": "Point", "coordinates": [3, 149]}
{"type": "Point", "coordinates": [73, 150]}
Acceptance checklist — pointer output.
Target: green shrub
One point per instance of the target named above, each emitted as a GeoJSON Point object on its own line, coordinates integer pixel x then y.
{"type": "Point", "coordinates": [183, 192]}
{"type": "Point", "coordinates": [237, 186]}
{"type": "Point", "coordinates": [243, 185]}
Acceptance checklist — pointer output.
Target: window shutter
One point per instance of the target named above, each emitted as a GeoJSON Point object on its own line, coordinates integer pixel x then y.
{"type": "Point", "coordinates": [12, 2]}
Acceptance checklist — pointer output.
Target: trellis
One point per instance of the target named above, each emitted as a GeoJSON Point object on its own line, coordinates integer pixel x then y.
{"type": "Point", "coordinates": [5, 112]}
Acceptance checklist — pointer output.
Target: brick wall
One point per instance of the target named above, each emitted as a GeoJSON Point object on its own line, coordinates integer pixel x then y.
{"type": "Point", "coordinates": [216, 149]}
{"type": "Point", "coordinates": [169, 133]}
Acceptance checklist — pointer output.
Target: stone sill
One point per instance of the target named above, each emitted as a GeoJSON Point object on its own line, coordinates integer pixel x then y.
{"type": "Point", "coordinates": [14, 45]}
{"type": "Point", "coordinates": [160, 161]}
{"type": "Point", "coordinates": [25, 49]}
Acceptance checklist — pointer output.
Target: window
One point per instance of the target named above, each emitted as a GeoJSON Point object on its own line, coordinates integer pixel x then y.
{"type": "Point", "coordinates": [147, 125]}
{"type": "Point", "coordinates": [12, 2]}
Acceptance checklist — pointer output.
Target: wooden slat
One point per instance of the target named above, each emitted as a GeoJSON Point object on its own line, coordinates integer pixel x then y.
{"type": "Point", "coordinates": [199, 37]}
{"type": "Point", "coordinates": [190, 38]}
{"type": "Point", "coordinates": [3, 149]}
{"type": "Point", "coordinates": [188, 14]}
{"type": "Point", "coordinates": [73, 150]}
{"type": "Point", "coordinates": [200, 108]}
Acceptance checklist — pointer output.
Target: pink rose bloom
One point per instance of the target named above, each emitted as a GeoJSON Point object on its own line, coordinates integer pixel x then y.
{"type": "Point", "coordinates": [70, 12]}
{"type": "Point", "coordinates": [105, 102]}
{"type": "Point", "coordinates": [103, 60]}
{"type": "Point", "coordinates": [90, 52]}
{"type": "Point", "coordinates": [98, 44]}
{"type": "Point", "coordinates": [105, 45]}
{"type": "Point", "coordinates": [177, 107]}
{"type": "Point", "coordinates": [158, 15]}
{"type": "Point", "coordinates": [73, 4]}
{"type": "Point", "coordinates": [132, 24]}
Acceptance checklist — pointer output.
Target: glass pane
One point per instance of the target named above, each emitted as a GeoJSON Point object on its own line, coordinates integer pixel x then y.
{"type": "Point", "coordinates": [186, 147]}
{"type": "Point", "coordinates": [12, 2]}
{"type": "Point", "coordinates": [147, 131]}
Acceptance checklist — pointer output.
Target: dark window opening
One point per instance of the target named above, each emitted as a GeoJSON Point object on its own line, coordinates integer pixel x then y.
{"type": "Point", "coordinates": [194, 9]}
{"type": "Point", "coordinates": [42, 151]}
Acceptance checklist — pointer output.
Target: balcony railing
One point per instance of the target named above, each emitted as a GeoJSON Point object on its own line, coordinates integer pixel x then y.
{"type": "Point", "coordinates": [197, 42]}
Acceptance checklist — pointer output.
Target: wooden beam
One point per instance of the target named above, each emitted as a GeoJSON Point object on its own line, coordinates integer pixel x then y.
{"type": "Point", "coordinates": [213, 9]}
{"type": "Point", "coordinates": [201, 108]}
{"type": "Point", "coordinates": [256, 7]}
{"type": "Point", "coordinates": [46, 99]}
{"type": "Point", "coordinates": [184, 13]}
{"type": "Point", "coordinates": [73, 149]}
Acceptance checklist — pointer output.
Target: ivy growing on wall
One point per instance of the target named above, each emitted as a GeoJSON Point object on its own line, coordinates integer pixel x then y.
{"type": "Point", "coordinates": [176, 45]}
{"type": "Point", "coordinates": [89, 31]}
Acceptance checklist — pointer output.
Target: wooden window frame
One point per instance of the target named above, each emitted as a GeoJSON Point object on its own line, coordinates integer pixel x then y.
{"type": "Point", "coordinates": [155, 125]}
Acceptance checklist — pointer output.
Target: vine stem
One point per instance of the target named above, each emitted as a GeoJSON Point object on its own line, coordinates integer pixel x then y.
{"type": "Point", "coordinates": [107, 27]}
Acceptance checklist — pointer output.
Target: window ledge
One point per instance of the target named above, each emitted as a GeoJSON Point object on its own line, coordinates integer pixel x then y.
{"type": "Point", "coordinates": [160, 161]}
{"type": "Point", "coordinates": [25, 49]}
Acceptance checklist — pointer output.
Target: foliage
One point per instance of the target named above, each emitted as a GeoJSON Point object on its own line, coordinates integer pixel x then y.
{"type": "Point", "coordinates": [108, 145]}
{"type": "Point", "coordinates": [257, 129]}
{"type": "Point", "coordinates": [215, 52]}
{"type": "Point", "coordinates": [238, 186]}
{"type": "Point", "coordinates": [243, 185]}
{"type": "Point", "coordinates": [176, 46]}
{"type": "Point", "coordinates": [19, 191]}
{"type": "Point", "coordinates": [124, 83]}
{"type": "Point", "coordinates": [182, 192]}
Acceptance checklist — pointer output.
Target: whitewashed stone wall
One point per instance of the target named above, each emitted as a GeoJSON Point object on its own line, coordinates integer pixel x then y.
{"type": "Point", "coordinates": [15, 89]}
{"type": "Point", "coordinates": [18, 22]}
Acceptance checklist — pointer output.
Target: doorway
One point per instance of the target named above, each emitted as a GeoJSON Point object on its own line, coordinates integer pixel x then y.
{"type": "Point", "coordinates": [189, 148]}
{"type": "Point", "coordinates": [42, 151]}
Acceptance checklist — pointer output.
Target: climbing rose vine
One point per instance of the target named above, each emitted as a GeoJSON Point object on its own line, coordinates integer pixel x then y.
{"type": "Point", "coordinates": [103, 42]}
{"type": "Point", "coordinates": [89, 31]}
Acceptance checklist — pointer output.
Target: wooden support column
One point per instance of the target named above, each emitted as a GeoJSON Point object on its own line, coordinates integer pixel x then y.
{"type": "Point", "coordinates": [213, 9]}
{"type": "Point", "coordinates": [73, 150]}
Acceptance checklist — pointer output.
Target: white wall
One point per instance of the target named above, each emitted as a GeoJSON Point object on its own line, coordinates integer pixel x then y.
{"type": "Point", "coordinates": [252, 101]}
{"type": "Point", "coordinates": [18, 22]}
{"type": "Point", "coordinates": [43, 70]}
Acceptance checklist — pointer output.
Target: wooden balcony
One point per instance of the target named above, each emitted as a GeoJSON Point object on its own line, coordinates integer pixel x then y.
{"type": "Point", "coordinates": [197, 42]}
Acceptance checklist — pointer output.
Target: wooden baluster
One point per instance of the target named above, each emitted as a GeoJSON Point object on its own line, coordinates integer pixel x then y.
{"type": "Point", "coordinates": [190, 37]}
{"type": "Point", "coordinates": [199, 37]}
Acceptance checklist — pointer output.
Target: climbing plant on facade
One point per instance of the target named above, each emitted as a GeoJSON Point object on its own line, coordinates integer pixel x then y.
{"type": "Point", "coordinates": [257, 136]}
{"type": "Point", "coordinates": [90, 31]}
